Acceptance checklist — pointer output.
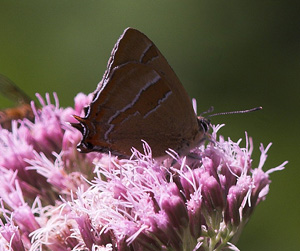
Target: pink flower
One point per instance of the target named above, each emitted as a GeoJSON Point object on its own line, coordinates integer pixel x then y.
{"type": "Point", "coordinates": [55, 198]}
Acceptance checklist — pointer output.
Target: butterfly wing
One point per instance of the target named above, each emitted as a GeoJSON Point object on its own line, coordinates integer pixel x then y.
{"type": "Point", "coordinates": [134, 46]}
{"type": "Point", "coordinates": [23, 108]}
{"type": "Point", "coordinates": [10, 90]}
{"type": "Point", "coordinates": [139, 98]}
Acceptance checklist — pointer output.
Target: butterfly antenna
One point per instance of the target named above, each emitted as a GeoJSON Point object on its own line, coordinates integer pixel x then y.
{"type": "Point", "coordinates": [211, 109]}
{"type": "Point", "coordinates": [235, 112]}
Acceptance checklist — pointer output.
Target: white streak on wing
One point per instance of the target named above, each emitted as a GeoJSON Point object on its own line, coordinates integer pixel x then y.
{"type": "Point", "coordinates": [130, 116]}
{"type": "Point", "coordinates": [159, 103]}
{"type": "Point", "coordinates": [136, 98]}
{"type": "Point", "coordinates": [144, 53]}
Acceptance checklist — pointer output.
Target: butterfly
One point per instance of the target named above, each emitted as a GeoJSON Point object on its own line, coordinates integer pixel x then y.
{"type": "Point", "coordinates": [21, 110]}
{"type": "Point", "coordinates": [139, 98]}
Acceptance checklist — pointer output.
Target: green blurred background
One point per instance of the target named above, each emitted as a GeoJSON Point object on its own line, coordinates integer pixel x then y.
{"type": "Point", "coordinates": [230, 54]}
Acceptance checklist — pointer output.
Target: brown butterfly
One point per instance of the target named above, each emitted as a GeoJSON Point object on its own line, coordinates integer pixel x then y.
{"type": "Point", "coordinates": [139, 98]}
{"type": "Point", "coordinates": [23, 108]}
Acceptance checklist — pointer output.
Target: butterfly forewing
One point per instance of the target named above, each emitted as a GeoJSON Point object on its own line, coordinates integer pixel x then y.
{"type": "Point", "coordinates": [139, 98]}
{"type": "Point", "coordinates": [134, 46]}
{"type": "Point", "coordinates": [10, 90]}
{"type": "Point", "coordinates": [23, 108]}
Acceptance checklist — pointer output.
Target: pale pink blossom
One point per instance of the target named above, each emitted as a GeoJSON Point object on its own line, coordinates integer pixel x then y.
{"type": "Point", "coordinates": [55, 198]}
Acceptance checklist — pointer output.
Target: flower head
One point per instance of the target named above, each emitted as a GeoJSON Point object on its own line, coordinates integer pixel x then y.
{"type": "Point", "coordinates": [54, 198]}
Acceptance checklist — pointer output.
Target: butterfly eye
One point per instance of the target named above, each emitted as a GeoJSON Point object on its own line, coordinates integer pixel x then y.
{"type": "Point", "coordinates": [204, 124]}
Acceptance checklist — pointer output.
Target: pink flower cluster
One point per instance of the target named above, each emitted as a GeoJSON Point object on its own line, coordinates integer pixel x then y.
{"type": "Point", "coordinates": [54, 198]}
